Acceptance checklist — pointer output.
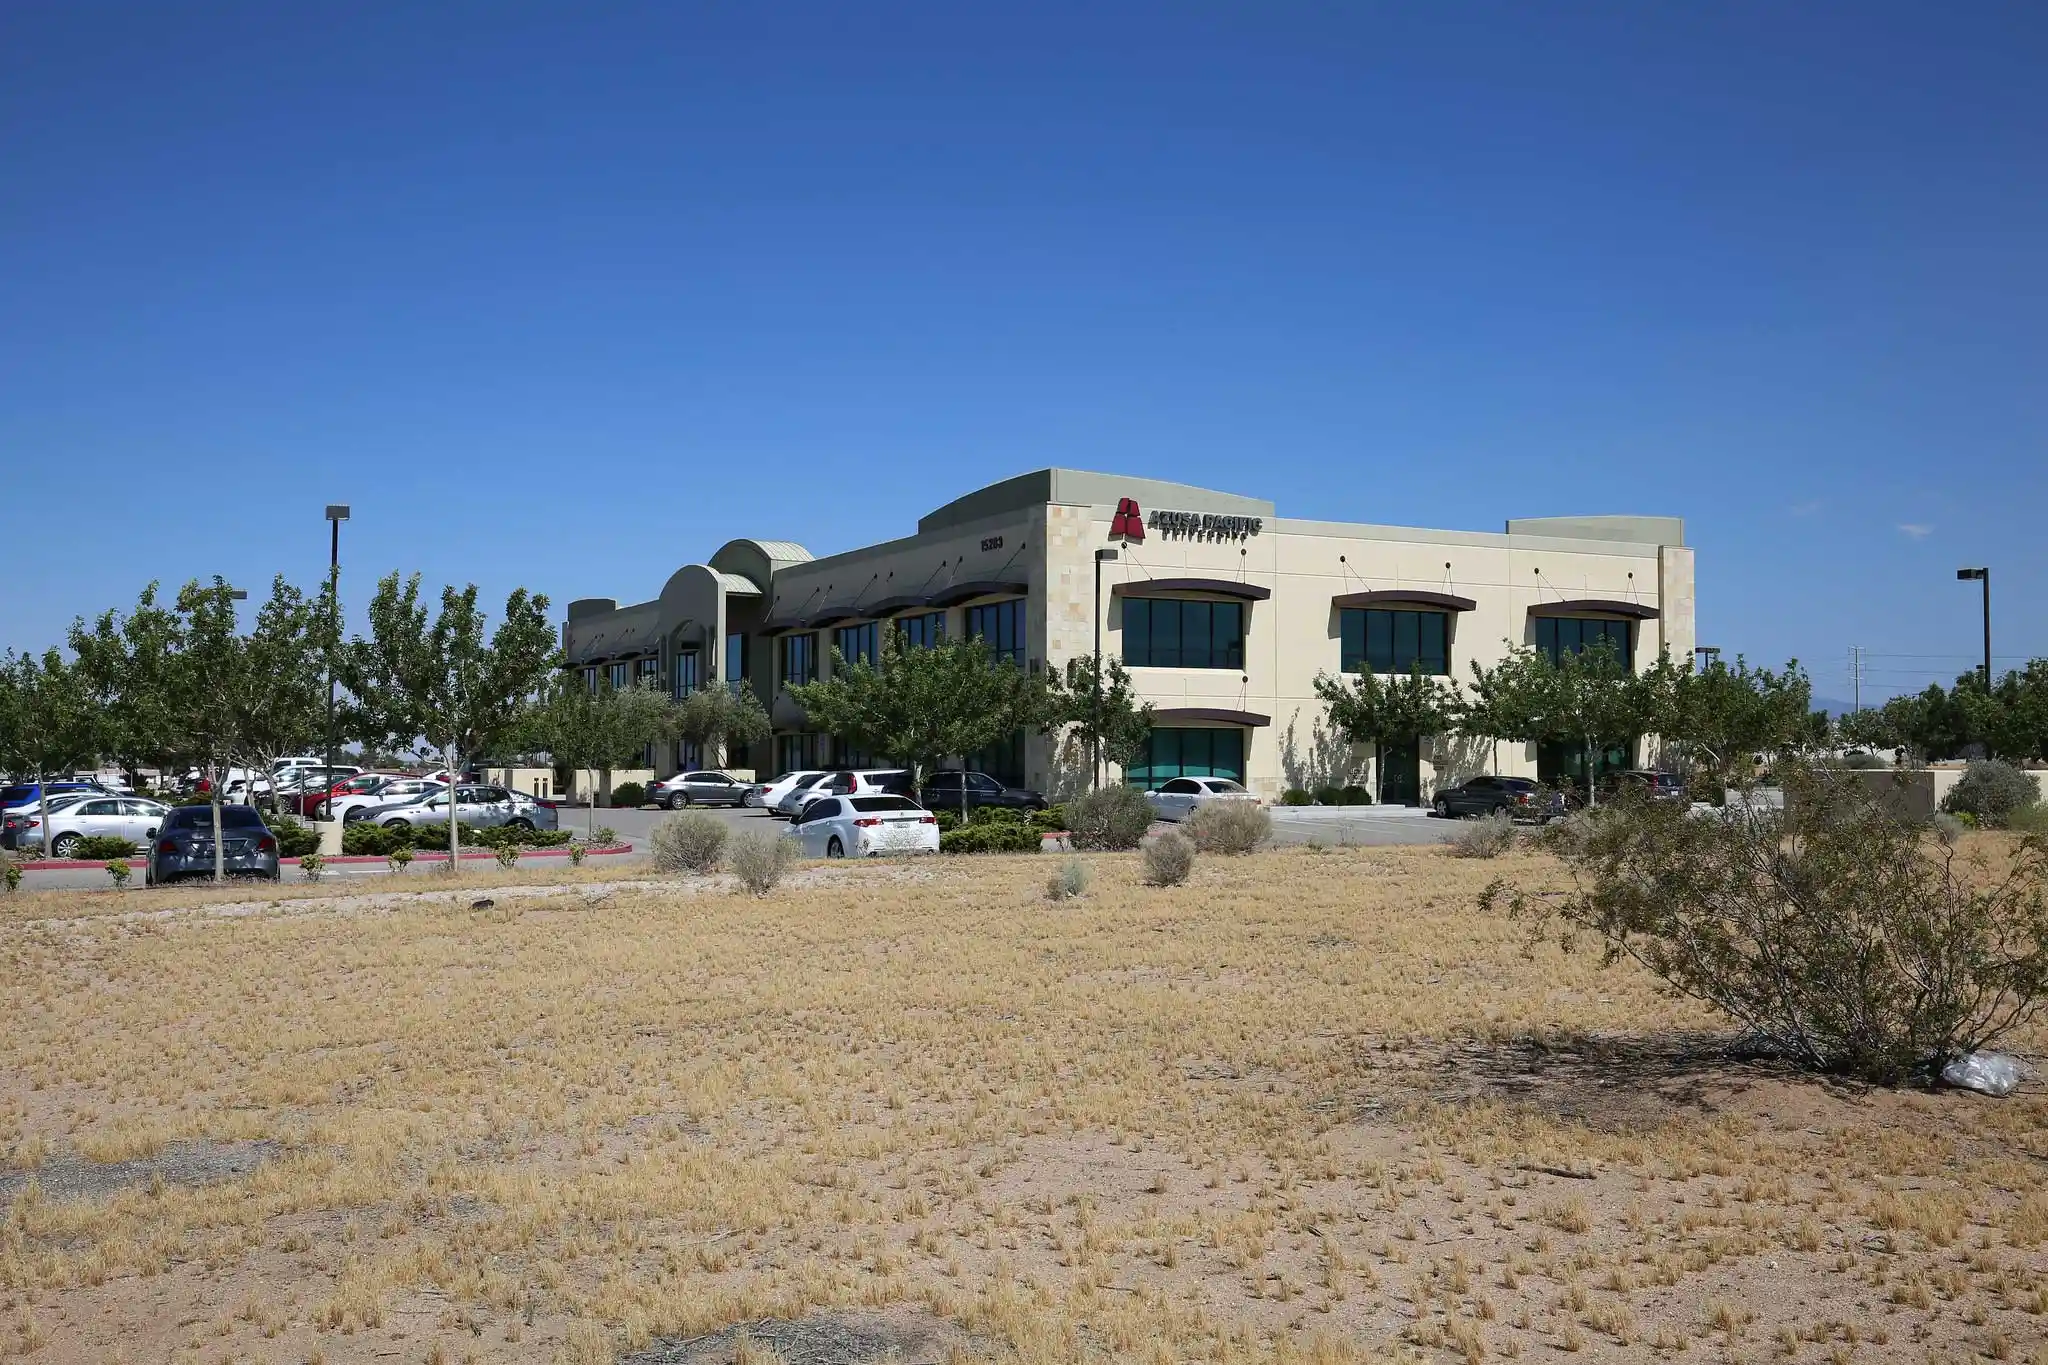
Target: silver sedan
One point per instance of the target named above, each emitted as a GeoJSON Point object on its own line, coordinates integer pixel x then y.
{"type": "Point", "coordinates": [477, 807]}
{"type": "Point", "coordinates": [133, 818]}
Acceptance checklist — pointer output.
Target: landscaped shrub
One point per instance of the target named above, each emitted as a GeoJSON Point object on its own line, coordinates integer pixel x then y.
{"type": "Point", "coordinates": [990, 836]}
{"type": "Point", "coordinates": [948, 818]}
{"type": "Point", "coordinates": [1068, 880]}
{"type": "Point", "coordinates": [10, 874]}
{"type": "Point", "coordinates": [1355, 795]}
{"type": "Point", "coordinates": [1295, 796]}
{"type": "Point", "coordinates": [399, 858]}
{"type": "Point", "coordinates": [690, 842]}
{"type": "Point", "coordinates": [508, 855]}
{"type": "Point", "coordinates": [1949, 828]}
{"type": "Point", "coordinates": [1863, 760]}
{"type": "Point", "coordinates": [1328, 796]}
{"type": "Point", "coordinates": [310, 866]}
{"type": "Point", "coordinates": [363, 839]}
{"type": "Point", "coordinates": [1487, 837]}
{"type": "Point", "coordinates": [499, 836]}
{"type": "Point", "coordinates": [1230, 827]}
{"type": "Point", "coordinates": [759, 857]}
{"type": "Point", "coordinates": [118, 869]}
{"type": "Point", "coordinates": [294, 840]}
{"type": "Point", "coordinates": [1991, 790]}
{"type": "Point", "coordinates": [1169, 859]}
{"type": "Point", "coordinates": [93, 848]}
{"type": "Point", "coordinates": [1110, 817]}
{"type": "Point", "coordinates": [628, 796]}
{"type": "Point", "coordinates": [1847, 939]}
{"type": "Point", "coordinates": [1051, 820]}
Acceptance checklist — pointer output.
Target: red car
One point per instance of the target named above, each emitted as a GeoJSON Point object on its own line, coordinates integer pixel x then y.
{"type": "Point", "coordinates": [308, 803]}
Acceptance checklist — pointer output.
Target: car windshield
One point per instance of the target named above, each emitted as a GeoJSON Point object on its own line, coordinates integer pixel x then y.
{"type": "Point", "coordinates": [865, 804]}
{"type": "Point", "coordinates": [1223, 784]}
{"type": "Point", "coordinates": [201, 817]}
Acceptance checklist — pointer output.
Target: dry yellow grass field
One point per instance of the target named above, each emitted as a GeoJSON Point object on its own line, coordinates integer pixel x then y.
{"type": "Point", "coordinates": [1314, 1105]}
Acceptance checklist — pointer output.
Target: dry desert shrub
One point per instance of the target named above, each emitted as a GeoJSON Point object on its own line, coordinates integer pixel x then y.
{"type": "Point", "coordinates": [759, 857]}
{"type": "Point", "coordinates": [1169, 859]}
{"type": "Point", "coordinates": [1069, 880]}
{"type": "Point", "coordinates": [691, 842]}
{"type": "Point", "coordinates": [1487, 837]}
{"type": "Point", "coordinates": [1109, 818]}
{"type": "Point", "coordinates": [1230, 827]}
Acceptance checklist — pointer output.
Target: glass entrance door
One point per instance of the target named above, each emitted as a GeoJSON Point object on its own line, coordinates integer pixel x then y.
{"type": "Point", "coordinates": [1401, 773]}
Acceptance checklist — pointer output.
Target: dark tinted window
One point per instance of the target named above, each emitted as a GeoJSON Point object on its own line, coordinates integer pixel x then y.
{"type": "Point", "coordinates": [1001, 625]}
{"type": "Point", "coordinates": [944, 781]}
{"type": "Point", "coordinates": [201, 817]}
{"type": "Point", "coordinates": [1169, 633]}
{"type": "Point", "coordinates": [1557, 636]}
{"type": "Point", "coordinates": [872, 803]}
{"type": "Point", "coordinates": [1395, 642]}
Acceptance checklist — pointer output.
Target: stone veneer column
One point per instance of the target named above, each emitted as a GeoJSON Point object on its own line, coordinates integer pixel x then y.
{"type": "Point", "coordinates": [1675, 600]}
{"type": "Point", "coordinates": [1062, 624]}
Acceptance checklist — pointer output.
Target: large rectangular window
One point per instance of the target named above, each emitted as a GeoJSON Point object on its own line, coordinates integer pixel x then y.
{"type": "Point", "coordinates": [1004, 761]}
{"type": "Point", "coordinates": [590, 679]}
{"type": "Point", "coordinates": [1165, 632]}
{"type": "Point", "coordinates": [858, 644]}
{"type": "Point", "coordinates": [689, 754]}
{"type": "Point", "coordinates": [1395, 642]}
{"type": "Point", "coordinates": [799, 659]}
{"type": "Point", "coordinates": [1557, 636]}
{"type": "Point", "coordinates": [737, 656]}
{"type": "Point", "coordinates": [687, 680]}
{"type": "Point", "coordinates": [924, 630]}
{"type": "Point", "coordinates": [619, 677]}
{"type": "Point", "coordinates": [795, 753]}
{"type": "Point", "coordinates": [1171, 753]}
{"type": "Point", "coordinates": [1001, 624]}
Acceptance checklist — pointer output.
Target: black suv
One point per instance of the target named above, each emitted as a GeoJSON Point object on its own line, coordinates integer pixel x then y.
{"type": "Point", "coordinates": [1486, 795]}
{"type": "Point", "coordinates": [942, 792]}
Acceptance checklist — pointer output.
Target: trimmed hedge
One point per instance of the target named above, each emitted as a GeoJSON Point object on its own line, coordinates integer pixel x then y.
{"type": "Point", "coordinates": [94, 848]}
{"type": "Point", "coordinates": [628, 796]}
{"type": "Point", "coordinates": [366, 839]}
{"type": "Point", "coordinates": [1295, 796]}
{"type": "Point", "coordinates": [294, 840]}
{"type": "Point", "coordinates": [990, 836]}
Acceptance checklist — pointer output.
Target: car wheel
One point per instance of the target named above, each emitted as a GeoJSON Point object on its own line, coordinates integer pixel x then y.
{"type": "Point", "coordinates": [64, 846]}
{"type": "Point", "coordinates": [519, 823]}
{"type": "Point", "coordinates": [835, 849]}
{"type": "Point", "coordinates": [398, 824]}
{"type": "Point", "coordinates": [1440, 808]}
{"type": "Point", "coordinates": [677, 801]}
{"type": "Point", "coordinates": [1500, 808]}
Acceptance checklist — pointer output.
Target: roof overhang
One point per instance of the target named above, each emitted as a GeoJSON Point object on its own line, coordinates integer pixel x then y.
{"type": "Point", "coordinates": [889, 606]}
{"type": "Point", "coordinates": [1183, 714]}
{"type": "Point", "coordinates": [1595, 606]}
{"type": "Point", "coordinates": [832, 616]}
{"type": "Point", "coordinates": [1416, 597]}
{"type": "Point", "coordinates": [1221, 587]}
{"type": "Point", "coordinates": [963, 592]}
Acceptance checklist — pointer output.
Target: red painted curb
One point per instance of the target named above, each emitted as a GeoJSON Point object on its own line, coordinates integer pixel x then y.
{"type": "Point", "coordinates": [74, 865]}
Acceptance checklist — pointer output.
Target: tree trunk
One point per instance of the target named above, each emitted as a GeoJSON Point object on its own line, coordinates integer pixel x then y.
{"type": "Point", "coordinates": [220, 849]}
{"type": "Point", "coordinates": [43, 806]}
{"type": "Point", "coordinates": [454, 825]}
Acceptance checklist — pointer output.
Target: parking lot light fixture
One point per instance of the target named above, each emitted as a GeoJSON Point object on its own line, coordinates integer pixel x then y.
{"type": "Point", "coordinates": [1102, 556]}
{"type": "Point", "coordinates": [337, 513]}
{"type": "Point", "coordinates": [1982, 574]}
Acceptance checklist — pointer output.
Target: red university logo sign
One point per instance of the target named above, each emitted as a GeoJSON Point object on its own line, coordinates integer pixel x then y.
{"type": "Point", "coordinates": [1129, 522]}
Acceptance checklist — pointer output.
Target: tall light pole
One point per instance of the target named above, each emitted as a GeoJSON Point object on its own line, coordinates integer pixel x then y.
{"type": "Point", "coordinates": [1983, 575]}
{"type": "Point", "coordinates": [337, 513]}
{"type": "Point", "coordinates": [1104, 556]}
{"type": "Point", "coordinates": [1706, 655]}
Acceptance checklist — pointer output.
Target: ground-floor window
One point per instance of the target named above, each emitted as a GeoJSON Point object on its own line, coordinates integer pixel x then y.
{"type": "Point", "coordinates": [1004, 761]}
{"type": "Point", "coordinates": [796, 752]}
{"type": "Point", "coordinates": [689, 754]}
{"type": "Point", "coordinates": [847, 756]}
{"type": "Point", "coordinates": [1171, 753]}
{"type": "Point", "coordinates": [1558, 762]}
{"type": "Point", "coordinates": [739, 756]}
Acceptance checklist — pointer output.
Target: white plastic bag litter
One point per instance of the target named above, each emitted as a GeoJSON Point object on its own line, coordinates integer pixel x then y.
{"type": "Point", "coordinates": [1993, 1073]}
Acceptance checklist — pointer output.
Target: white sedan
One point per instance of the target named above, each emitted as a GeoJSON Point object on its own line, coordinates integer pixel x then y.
{"type": "Point", "coordinates": [860, 826]}
{"type": "Point", "coordinates": [1183, 796]}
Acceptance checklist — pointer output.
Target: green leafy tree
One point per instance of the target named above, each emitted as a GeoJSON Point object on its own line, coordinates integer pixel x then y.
{"type": "Point", "coordinates": [721, 719]}
{"type": "Point", "coordinates": [1720, 717]}
{"type": "Point", "coordinates": [206, 692]}
{"type": "Point", "coordinates": [444, 680]}
{"type": "Point", "coordinates": [1588, 698]}
{"type": "Point", "coordinates": [1369, 709]}
{"type": "Point", "coordinates": [280, 700]}
{"type": "Point", "coordinates": [125, 665]}
{"type": "Point", "coordinates": [48, 723]}
{"type": "Point", "coordinates": [921, 706]}
{"type": "Point", "coordinates": [1103, 713]}
{"type": "Point", "coordinates": [602, 728]}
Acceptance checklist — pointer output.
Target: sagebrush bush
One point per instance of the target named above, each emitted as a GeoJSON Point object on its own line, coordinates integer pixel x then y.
{"type": "Point", "coordinates": [1948, 828]}
{"type": "Point", "coordinates": [1068, 880]}
{"type": "Point", "coordinates": [628, 796]}
{"type": "Point", "coordinates": [1109, 818]}
{"type": "Point", "coordinates": [1992, 790]}
{"type": "Point", "coordinates": [759, 857]}
{"type": "Point", "coordinates": [1847, 940]}
{"type": "Point", "coordinates": [1229, 827]}
{"type": "Point", "coordinates": [691, 842]}
{"type": "Point", "coordinates": [1488, 837]}
{"type": "Point", "coordinates": [1169, 859]}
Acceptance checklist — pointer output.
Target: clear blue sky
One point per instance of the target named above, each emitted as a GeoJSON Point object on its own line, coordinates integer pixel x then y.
{"type": "Point", "coordinates": [565, 296]}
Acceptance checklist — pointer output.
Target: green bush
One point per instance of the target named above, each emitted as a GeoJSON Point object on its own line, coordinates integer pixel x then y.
{"type": "Point", "coordinates": [691, 842]}
{"type": "Point", "coordinates": [1110, 818]}
{"type": "Point", "coordinates": [1051, 820]}
{"type": "Point", "coordinates": [508, 855]}
{"type": "Point", "coordinates": [504, 836]}
{"type": "Point", "coordinates": [94, 848]}
{"type": "Point", "coordinates": [1230, 827]}
{"type": "Point", "coordinates": [118, 869]}
{"type": "Point", "coordinates": [294, 840]}
{"type": "Point", "coordinates": [363, 839]}
{"type": "Point", "coordinates": [948, 818]}
{"type": "Point", "coordinates": [10, 874]}
{"type": "Point", "coordinates": [1355, 795]}
{"type": "Point", "coordinates": [990, 836]}
{"type": "Point", "coordinates": [1991, 790]}
{"type": "Point", "coordinates": [1485, 838]}
{"type": "Point", "coordinates": [628, 796]}
{"type": "Point", "coordinates": [1328, 796]}
{"type": "Point", "coordinates": [310, 865]}
{"type": "Point", "coordinates": [2029, 820]}
{"type": "Point", "coordinates": [1295, 796]}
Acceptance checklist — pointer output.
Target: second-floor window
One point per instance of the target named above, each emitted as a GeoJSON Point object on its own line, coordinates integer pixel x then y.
{"type": "Point", "coordinates": [737, 657]}
{"type": "Point", "coordinates": [924, 630]}
{"type": "Point", "coordinates": [1557, 636]}
{"type": "Point", "coordinates": [1396, 642]}
{"type": "Point", "coordinates": [858, 644]}
{"type": "Point", "coordinates": [621, 673]}
{"type": "Point", "coordinates": [686, 672]}
{"type": "Point", "coordinates": [799, 659]}
{"type": "Point", "coordinates": [1001, 626]}
{"type": "Point", "coordinates": [590, 679]}
{"type": "Point", "coordinates": [1165, 632]}
{"type": "Point", "coordinates": [648, 670]}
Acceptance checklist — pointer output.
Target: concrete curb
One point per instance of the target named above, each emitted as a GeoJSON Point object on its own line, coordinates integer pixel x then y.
{"type": "Point", "coordinates": [609, 851]}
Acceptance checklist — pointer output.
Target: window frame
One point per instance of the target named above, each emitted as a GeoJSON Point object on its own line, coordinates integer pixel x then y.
{"type": "Point", "coordinates": [1182, 632]}
{"type": "Point", "coordinates": [1371, 636]}
{"type": "Point", "coordinates": [786, 647]}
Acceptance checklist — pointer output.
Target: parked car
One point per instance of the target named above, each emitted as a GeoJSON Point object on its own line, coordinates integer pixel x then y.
{"type": "Point", "coordinates": [121, 817]}
{"type": "Point", "coordinates": [1179, 797]}
{"type": "Point", "coordinates": [397, 791]}
{"type": "Point", "coordinates": [313, 798]}
{"type": "Point", "coordinates": [1486, 794]}
{"type": "Point", "coordinates": [184, 845]}
{"type": "Point", "coordinates": [28, 793]}
{"type": "Point", "coordinates": [481, 807]}
{"type": "Point", "coordinates": [943, 792]}
{"type": "Point", "coordinates": [1654, 785]}
{"type": "Point", "coordinates": [858, 782]}
{"type": "Point", "coordinates": [704, 788]}
{"type": "Point", "coordinates": [861, 826]}
{"type": "Point", "coordinates": [22, 827]}
{"type": "Point", "coordinates": [781, 794]}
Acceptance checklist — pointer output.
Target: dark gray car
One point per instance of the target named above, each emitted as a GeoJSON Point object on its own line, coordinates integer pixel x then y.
{"type": "Point", "coordinates": [703, 788]}
{"type": "Point", "coordinates": [184, 845]}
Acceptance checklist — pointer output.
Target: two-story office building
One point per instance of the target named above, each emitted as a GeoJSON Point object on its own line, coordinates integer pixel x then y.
{"type": "Point", "coordinates": [1223, 612]}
